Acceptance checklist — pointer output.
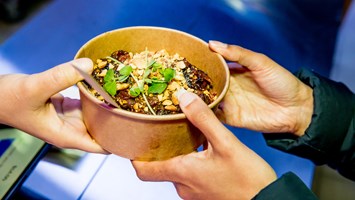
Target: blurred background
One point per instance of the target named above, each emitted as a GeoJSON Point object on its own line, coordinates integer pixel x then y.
{"type": "Point", "coordinates": [38, 34]}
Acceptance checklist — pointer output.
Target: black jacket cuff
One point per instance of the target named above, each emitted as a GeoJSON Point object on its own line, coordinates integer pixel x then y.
{"type": "Point", "coordinates": [289, 187]}
{"type": "Point", "coordinates": [330, 137]}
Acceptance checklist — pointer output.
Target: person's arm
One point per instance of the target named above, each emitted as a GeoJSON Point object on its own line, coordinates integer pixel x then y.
{"type": "Point", "coordinates": [289, 187]}
{"type": "Point", "coordinates": [262, 96]}
{"type": "Point", "coordinates": [227, 169]}
{"type": "Point", "coordinates": [329, 139]}
{"type": "Point", "coordinates": [265, 97]}
{"type": "Point", "coordinates": [33, 104]}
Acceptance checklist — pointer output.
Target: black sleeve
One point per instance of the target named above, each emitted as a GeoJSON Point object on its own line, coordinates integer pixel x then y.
{"type": "Point", "coordinates": [289, 187]}
{"type": "Point", "coordinates": [330, 138]}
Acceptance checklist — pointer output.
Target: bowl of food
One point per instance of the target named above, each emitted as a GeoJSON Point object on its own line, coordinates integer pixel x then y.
{"type": "Point", "coordinates": [142, 68]}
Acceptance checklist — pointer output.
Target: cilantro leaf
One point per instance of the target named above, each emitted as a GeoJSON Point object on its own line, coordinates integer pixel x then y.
{"type": "Point", "coordinates": [110, 82]}
{"type": "Point", "coordinates": [157, 88]}
{"type": "Point", "coordinates": [122, 78]}
{"type": "Point", "coordinates": [126, 70]}
{"type": "Point", "coordinates": [134, 91]}
{"type": "Point", "coordinates": [110, 87]}
{"type": "Point", "coordinates": [169, 74]}
{"type": "Point", "coordinates": [110, 75]}
{"type": "Point", "coordinates": [156, 66]}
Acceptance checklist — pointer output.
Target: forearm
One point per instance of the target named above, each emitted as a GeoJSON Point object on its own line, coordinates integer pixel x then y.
{"type": "Point", "coordinates": [329, 137]}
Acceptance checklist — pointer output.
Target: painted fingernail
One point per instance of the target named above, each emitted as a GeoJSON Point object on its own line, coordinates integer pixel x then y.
{"type": "Point", "coordinates": [84, 64]}
{"type": "Point", "coordinates": [185, 98]}
{"type": "Point", "coordinates": [218, 44]}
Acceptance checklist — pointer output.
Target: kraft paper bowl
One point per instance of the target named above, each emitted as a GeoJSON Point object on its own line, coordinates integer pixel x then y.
{"type": "Point", "coordinates": [140, 136]}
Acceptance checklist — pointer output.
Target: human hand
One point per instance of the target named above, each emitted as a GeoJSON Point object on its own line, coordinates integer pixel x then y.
{"type": "Point", "coordinates": [227, 169]}
{"type": "Point", "coordinates": [33, 104]}
{"type": "Point", "coordinates": [263, 96]}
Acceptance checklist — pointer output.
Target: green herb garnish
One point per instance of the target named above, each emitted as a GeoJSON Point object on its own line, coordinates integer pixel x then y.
{"type": "Point", "coordinates": [126, 70]}
{"type": "Point", "coordinates": [156, 85]}
{"type": "Point", "coordinates": [156, 66]}
{"type": "Point", "coordinates": [124, 73]}
{"type": "Point", "coordinates": [134, 91]}
{"type": "Point", "coordinates": [157, 88]}
{"type": "Point", "coordinates": [168, 74]}
{"type": "Point", "coordinates": [110, 82]}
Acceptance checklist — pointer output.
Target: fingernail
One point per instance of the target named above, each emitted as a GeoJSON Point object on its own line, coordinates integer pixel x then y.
{"type": "Point", "coordinates": [218, 44]}
{"type": "Point", "coordinates": [185, 98]}
{"type": "Point", "coordinates": [84, 63]}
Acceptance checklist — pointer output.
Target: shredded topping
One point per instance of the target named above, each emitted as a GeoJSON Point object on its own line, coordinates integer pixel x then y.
{"type": "Point", "coordinates": [147, 82]}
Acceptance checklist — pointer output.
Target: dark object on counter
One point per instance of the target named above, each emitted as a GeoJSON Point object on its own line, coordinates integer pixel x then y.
{"type": "Point", "coordinates": [15, 10]}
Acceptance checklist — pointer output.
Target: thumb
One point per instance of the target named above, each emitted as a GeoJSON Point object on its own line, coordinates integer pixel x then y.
{"type": "Point", "coordinates": [247, 58]}
{"type": "Point", "coordinates": [52, 81]}
{"type": "Point", "coordinates": [201, 116]}
{"type": "Point", "coordinates": [167, 170]}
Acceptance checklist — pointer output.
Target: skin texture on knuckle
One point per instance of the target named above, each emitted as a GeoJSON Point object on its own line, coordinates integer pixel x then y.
{"type": "Point", "coordinates": [140, 173]}
{"type": "Point", "coordinates": [146, 171]}
{"type": "Point", "coordinates": [62, 76]}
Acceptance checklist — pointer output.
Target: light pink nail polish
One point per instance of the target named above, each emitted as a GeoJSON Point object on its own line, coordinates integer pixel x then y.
{"type": "Point", "coordinates": [218, 44]}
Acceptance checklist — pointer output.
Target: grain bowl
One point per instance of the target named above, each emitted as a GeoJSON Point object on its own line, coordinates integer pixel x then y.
{"type": "Point", "coordinates": [140, 135]}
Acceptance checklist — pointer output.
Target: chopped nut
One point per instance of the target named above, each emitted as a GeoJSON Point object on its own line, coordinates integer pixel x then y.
{"type": "Point", "coordinates": [103, 73]}
{"type": "Point", "coordinates": [101, 64]}
{"type": "Point", "coordinates": [174, 99]}
{"type": "Point", "coordinates": [181, 65]}
{"type": "Point", "coordinates": [160, 97]}
{"type": "Point", "coordinates": [166, 94]}
{"type": "Point", "coordinates": [179, 76]}
{"type": "Point", "coordinates": [122, 102]}
{"type": "Point", "coordinates": [122, 86]}
{"type": "Point", "coordinates": [136, 106]}
{"type": "Point", "coordinates": [167, 103]}
{"type": "Point", "coordinates": [135, 73]}
{"type": "Point", "coordinates": [173, 86]}
{"type": "Point", "coordinates": [159, 101]}
{"type": "Point", "coordinates": [110, 66]}
{"type": "Point", "coordinates": [171, 108]}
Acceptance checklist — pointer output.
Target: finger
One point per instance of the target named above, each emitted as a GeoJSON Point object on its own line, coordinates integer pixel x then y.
{"type": "Point", "coordinates": [247, 58]}
{"type": "Point", "coordinates": [204, 119]}
{"type": "Point", "coordinates": [167, 170]}
{"type": "Point", "coordinates": [52, 81]}
{"type": "Point", "coordinates": [236, 67]}
{"type": "Point", "coordinates": [72, 108]}
{"type": "Point", "coordinates": [72, 137]}
{"type": "Point", "coordinates": [183, 191]}
{"type": "Point", "coordinates": [84, 143]}
{"type": "Point", "coordinates": [88, 144]}
{"type": "Point", "coordinates": [79, 137]}
{"type": "Point", "coordinates": [57, 101]}
{"type": "Point", "coordinates": [67, 129]}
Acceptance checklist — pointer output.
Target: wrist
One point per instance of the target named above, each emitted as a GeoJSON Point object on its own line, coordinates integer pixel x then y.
{"type": "Point", "coordinates": [304, 115]}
